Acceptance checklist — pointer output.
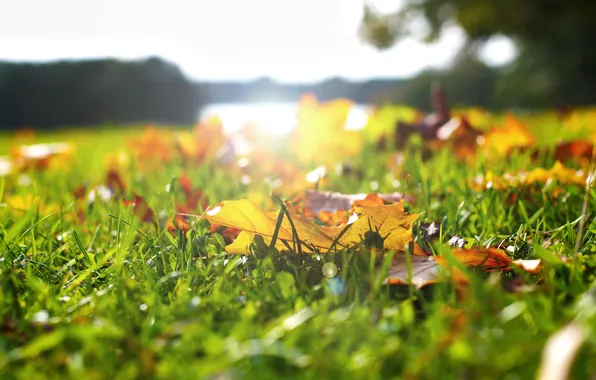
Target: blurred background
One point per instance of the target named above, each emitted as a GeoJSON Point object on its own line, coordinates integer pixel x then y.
{"type": "Point", "coordinates": [71, 63]}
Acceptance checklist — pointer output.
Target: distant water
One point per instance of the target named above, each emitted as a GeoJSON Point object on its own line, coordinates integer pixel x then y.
{"type": "Point", "coordinates": [275, 117]}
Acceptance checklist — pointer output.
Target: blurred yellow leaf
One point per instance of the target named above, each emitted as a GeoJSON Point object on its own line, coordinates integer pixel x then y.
{"type": "Point", "coordinates": [320, 136]}
{"type": "Point", "coordinates": [204, 143]}
{"type": "Point", "coordinates": [512, 134]}
{"type": "Point", "coordinates": [480, 118]}
{"type": "Point", "coordinates": [153, 148]}
{"type": "Point", "coordinates": [383, 120]}
{"type": "Point", "coordinates": [558, 173]}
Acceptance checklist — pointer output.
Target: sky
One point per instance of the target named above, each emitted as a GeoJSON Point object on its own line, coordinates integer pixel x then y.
{"type": "Point", "coordinates": [287, 40]}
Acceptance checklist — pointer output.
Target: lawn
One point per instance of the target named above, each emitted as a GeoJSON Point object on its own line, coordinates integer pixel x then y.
{"type": "Point", "coordinates": [104, 274]}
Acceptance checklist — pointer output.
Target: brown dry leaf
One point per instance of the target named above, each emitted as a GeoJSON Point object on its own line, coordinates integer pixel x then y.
{"type": "Point", "coordinates": [512, 134]}
{"type": "Point", "coordinates": [317, 201]}
{"type": "Point", "coordinates": [141, 208]}
{"type": "Point", "coordinates": [425, 270]}
{"type": "Point", "coordinates": [458, 134]}
{"type": "Point", "coordinates": [574, 149]}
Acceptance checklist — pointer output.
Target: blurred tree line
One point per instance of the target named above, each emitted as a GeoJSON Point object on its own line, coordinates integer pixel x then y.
{"type": "Point", "coordinates": [556, 62]}
{"type": "Point", "coordinates": [70, 93]}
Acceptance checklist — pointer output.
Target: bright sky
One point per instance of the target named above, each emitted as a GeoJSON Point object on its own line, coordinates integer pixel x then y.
{"type": "Point", "coordinates": [289, 40]}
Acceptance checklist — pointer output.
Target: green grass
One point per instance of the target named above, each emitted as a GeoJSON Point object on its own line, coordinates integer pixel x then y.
{"type": "Point", "coordinates": [112, 297]}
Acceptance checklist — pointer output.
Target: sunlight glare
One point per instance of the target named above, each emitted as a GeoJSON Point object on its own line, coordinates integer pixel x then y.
{"type": "Point", "coordinates": [357, 118]}
{"type": "Point", "coordinates": [275, 119]}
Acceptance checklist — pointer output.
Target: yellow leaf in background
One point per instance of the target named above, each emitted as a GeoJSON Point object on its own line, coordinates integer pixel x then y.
{"type": "Point", "coordinates": [558, 173]}
{"type": "Point", "coordinates": [383, 120]}
{"type": "Point", "coordinates": [510, 135]}
{"type": "Point", "coordinates": [581, 121]}
{"type": "Point", "coordinates": [480, 118]}
{"type": "Point", "coordinates": [42, 156]}
{"type": "Point", "coordinates": [320, 136]}
{"type": "Point", "coordinates": [22, 203]}
{"type": "Point", "coordinates": [154, 146]}
{"type": "Point", "coordinates": [205, 142]}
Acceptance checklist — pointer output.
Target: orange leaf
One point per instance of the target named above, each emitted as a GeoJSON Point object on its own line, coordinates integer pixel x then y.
{"type": "Point", "coordinates": [574, 149]}
{"type": "Point", "coordinates": [141, 208]}
{"type": "Point", "coordinates": [511, 135]}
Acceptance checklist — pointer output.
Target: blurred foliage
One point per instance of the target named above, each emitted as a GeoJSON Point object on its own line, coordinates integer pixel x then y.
{"type": "Point", "coordinates": [556, 64]}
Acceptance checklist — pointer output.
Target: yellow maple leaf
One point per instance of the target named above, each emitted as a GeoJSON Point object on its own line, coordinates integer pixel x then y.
{"type": "Point", "coordinates": [390, 222]}
{"type": "Point", "coordinates": [246, 216]}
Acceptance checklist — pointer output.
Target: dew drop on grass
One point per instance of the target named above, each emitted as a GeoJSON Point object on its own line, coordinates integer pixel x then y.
{"type": "Point", "coordinates": [41, 317]}
{"type": "Point", "coordinates": [329, 270]}
{"type": "Point", "coordinates": [335, 286]}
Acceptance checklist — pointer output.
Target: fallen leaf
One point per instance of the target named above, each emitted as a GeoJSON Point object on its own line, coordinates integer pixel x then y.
{"type": "Point", "coordinates": [425, 270]}
{"type": "Point", "coordinates": [320, 136]}
{"type": "Point", "coordinates": [488, 258]}
{"type": "Point", "coordinates": [115, 183]}
{"type": "Point", "coordinates": [390, 222]}
{"type": "Point", "coordinates": [560, 350]}
{"type": "Point", "coordinates": [194, 197]}
{"type": "Point", "coordinates": [207, 142]}
{"type": "Point", "coordinates": [461, 137]}
{"type": "Point", "coordinates": [530, 266]}
{"type": "Point", "coordinates": [153, 147]}
{"type": "Point", "coordinates": [558, 173]}
{"type": "Point", "coordinates": [141, 208]}
{"type": "Point", "coordinates": [39, 156]}
{"type": "Point", "coordinates": [512, 134]}
{"type": "Point", "coordinates": [317, 201]}
{"type": "Point", "coordinates": [574, 149]}
{"type": "Point", "coordinates": [247, 216]}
